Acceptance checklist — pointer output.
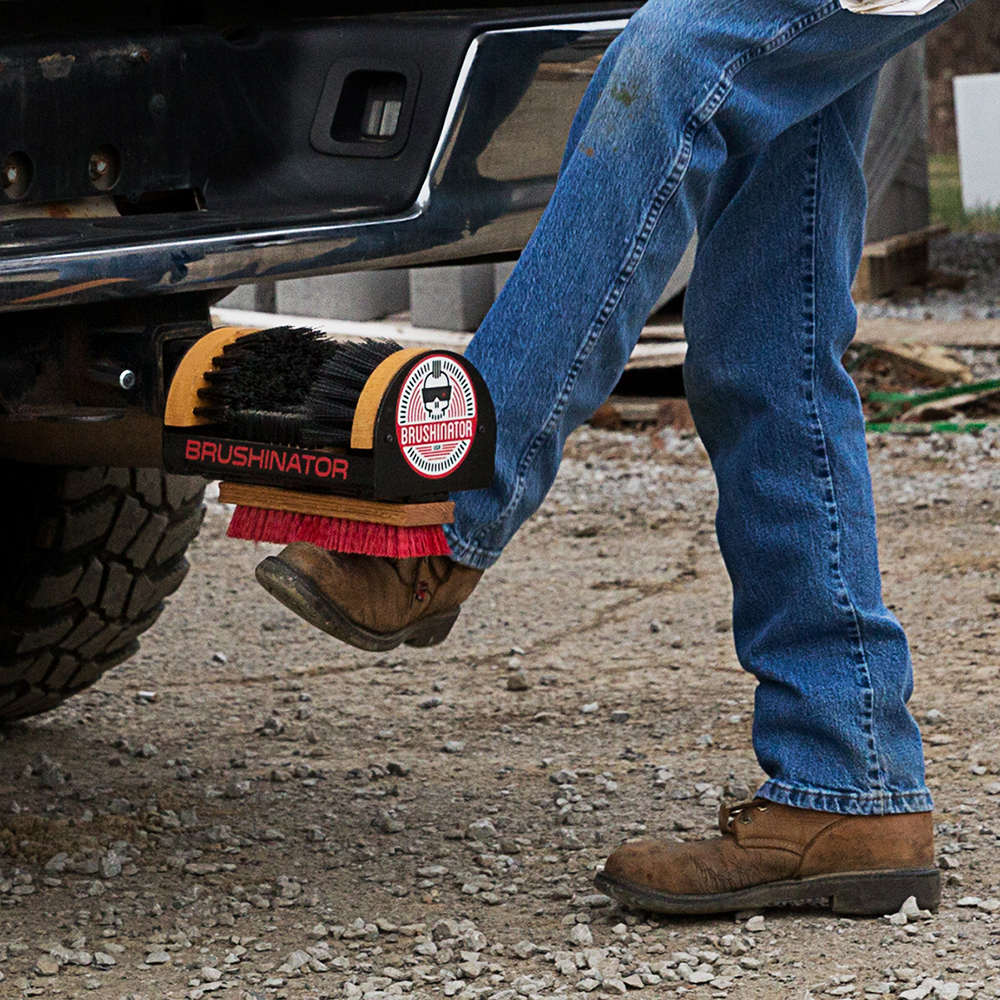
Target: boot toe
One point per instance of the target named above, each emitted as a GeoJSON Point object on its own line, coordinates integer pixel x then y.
{"type": "Point", "coordinates": [643, 862]}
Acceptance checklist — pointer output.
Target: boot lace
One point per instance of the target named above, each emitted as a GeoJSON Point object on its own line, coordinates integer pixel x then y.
{"type": "Point", "coordinates": [418, 574]}
{"type": "Point", "coordinates": [740, 812]}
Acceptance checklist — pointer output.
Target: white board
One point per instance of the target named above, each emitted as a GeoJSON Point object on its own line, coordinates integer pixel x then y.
{"type": "Point", "coordinates": [977, 119]}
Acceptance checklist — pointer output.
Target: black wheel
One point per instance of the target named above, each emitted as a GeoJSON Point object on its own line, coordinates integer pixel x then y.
{"type": "Point", "coordinates": [86, 558]}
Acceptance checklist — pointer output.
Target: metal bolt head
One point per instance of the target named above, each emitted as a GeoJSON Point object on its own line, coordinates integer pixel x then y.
{"type": "Point", "coordinates": [126, 379]}
{"type": "Point", "coordinates": [15, 175]}
{"type": "Point", "coordinates": [104, 167]}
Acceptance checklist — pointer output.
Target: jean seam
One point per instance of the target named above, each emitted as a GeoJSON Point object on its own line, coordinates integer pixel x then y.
{"type": "Point", "coordinates": [810, 214]}
{"type": "Point", "coordinates": [697, 119]}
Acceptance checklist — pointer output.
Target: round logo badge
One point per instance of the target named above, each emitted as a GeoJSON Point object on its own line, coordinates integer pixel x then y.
{"type": "Point", "coordinates": [436, 416]}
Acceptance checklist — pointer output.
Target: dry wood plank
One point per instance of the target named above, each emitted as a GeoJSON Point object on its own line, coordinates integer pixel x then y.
{"type": "Point", "coordinates": [661, 411]}
{"type": "Point", "coordinates": [930, 363]}
{"type": "Point", "coordinates": [401, 515]}
{"type": "Point", "coordinates": [957, 333]}
{"type": "Point", "coordinates": [904, 241]}
{"type": "Point", "coordinates": [945, 409]}
{"type": "Point", "coordinates": [949, 333]}
{"type": "Point", "coordinates": [657, 355]}
{"type": "Point", "coordinates": [662, 331]}
{"type": "Point", "coordinates": [891, 264]}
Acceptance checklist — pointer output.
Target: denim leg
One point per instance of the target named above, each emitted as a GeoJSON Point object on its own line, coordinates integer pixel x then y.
{"type": "Point", "coordinates": [685, 87]}
{"type": "Point", "coordinates": [782, 422]}
{"type": "Point", "coordinates": [690, 94]}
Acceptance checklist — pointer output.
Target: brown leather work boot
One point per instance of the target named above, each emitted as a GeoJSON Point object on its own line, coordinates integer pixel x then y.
{"type": "Point", "coordinates": [367, 601]}
{"type": "Point", "coordinates": [769, 854]}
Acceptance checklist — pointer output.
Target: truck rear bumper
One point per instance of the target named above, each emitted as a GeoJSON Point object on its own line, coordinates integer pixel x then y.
{"type": "Point", "coordinates": [491, 171]}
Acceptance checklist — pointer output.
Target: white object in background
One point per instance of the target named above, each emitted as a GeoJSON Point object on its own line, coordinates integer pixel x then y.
{"type": "Point", "coordinates": [910, 7]}
{"type": "Point", "coordinates": [645, 354]}
{"type": "Point", "coordinates": [679, 279]}
{"type": "Point", "coordinates": [977, 119]}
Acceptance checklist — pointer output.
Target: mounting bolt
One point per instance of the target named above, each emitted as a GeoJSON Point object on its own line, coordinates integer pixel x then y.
{"type": "Point", "coordinates": [15, 175]}
{"type": "Point", "coordinates": [104, 167]}
{"type": "Point", "coordinates": [107, 372]}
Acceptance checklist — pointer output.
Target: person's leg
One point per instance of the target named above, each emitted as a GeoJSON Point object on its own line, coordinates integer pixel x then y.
{"type": "Point", "coordinates": [693, 116]}
{"type": "Point", "coordinates": [686, 87]}
{"type": "Point", "coordinates": [768, 316]}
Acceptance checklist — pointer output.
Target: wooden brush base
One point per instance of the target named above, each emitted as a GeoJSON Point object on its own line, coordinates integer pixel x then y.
{"type": "Point", "coordinates": [400, 515]}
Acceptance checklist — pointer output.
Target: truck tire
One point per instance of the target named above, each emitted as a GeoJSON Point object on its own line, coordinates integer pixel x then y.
{"type": "Point", "coordinates": [86, 558]}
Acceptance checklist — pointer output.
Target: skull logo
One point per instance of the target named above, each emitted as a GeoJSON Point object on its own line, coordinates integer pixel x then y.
{"type": "Point", "coordinates": [436, 392]}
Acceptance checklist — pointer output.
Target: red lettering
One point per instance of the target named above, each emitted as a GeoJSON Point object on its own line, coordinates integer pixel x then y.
{"type": "Point", "coordinates": [192, 450]}
{"type": "Point", "coordinates": [321, 468]}
{"type": "Point", "coordinates": [278, 459]}
{"type": "Point", "coordinates": [240, 451]}
{"type": "Point", "coordinates": [258, 457]}
{"type": "Point", "coordinates": [208, 451]}
{"type": "Point", "coordinates": [229, 455]}
{"type": "Point", "coordinates": [293, 464]}
{"type": "Point", "coordinates": [340, 467]}
{"type": "Point", "coordinates": [308, 459]}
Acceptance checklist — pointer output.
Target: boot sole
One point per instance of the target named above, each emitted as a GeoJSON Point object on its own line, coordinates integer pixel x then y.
{"type": "Point", "coordinates": [851, 894]}
{"type": "Point", "coordinates": [297, 593]}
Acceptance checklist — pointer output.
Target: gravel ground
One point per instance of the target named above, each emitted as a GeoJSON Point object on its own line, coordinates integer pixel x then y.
{"type": "Point", "coordinates": [251, 809]}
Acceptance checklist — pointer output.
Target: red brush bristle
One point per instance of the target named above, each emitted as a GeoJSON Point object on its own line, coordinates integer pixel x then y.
{"type": "Point", "coordinates": [338, 535]}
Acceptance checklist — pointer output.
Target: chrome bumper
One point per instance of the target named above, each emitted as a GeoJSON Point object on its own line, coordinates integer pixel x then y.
{"type": "Point", "coordinates": [492, 172]}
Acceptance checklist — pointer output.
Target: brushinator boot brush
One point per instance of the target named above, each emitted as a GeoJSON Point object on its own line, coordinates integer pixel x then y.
{"type": "Point", "coordinates": [353, 446]}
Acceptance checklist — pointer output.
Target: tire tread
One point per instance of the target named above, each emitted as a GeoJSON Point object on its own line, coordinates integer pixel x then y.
{"type": "Point", "coordinates": [94, 554]}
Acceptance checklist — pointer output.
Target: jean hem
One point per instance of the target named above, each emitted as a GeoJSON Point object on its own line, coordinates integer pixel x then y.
{"type": "Point", "coordinates": [468, 553]}
{"type": "Point", "coordinates": [847, 803]}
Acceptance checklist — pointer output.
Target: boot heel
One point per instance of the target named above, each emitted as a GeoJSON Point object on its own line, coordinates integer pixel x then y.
{"type": "Point", "coordinates": [876, 894]}
{"type": "Point", "coordinates": [432, 631]}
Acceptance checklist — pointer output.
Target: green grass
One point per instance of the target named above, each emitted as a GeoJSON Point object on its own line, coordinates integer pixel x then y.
{"type": "Point", "coordinates": [946, 199]}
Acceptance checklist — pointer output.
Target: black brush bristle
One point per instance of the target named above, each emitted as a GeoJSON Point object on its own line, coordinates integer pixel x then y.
{"type": "Point", "coordinates": [272, 370]}
{"type": "Point", "coordinates": [290, 386]}
{"type": "Point", "coordinates": [329, 409]}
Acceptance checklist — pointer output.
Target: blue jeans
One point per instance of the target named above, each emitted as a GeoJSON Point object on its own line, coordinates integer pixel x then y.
{"type": "Point", "coordinates": [747, 120]}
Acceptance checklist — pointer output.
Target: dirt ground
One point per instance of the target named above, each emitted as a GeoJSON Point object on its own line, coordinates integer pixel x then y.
{"type": "Point", "coordinates": [250, 808]}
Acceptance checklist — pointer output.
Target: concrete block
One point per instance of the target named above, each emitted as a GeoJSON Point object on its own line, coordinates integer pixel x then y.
{"type": "Point", "coordinates": [362, 296]}
{"type": "Point", "coordinates": [501, 272]}
{"type": "Point", "coordinates": [452, 297]}
{"type": "Point", "coordinates": [258, 298]}
{"type": "Point", "coordinates": [240, 298]}
{"type": "Point", "coordinates": [978, 124]}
